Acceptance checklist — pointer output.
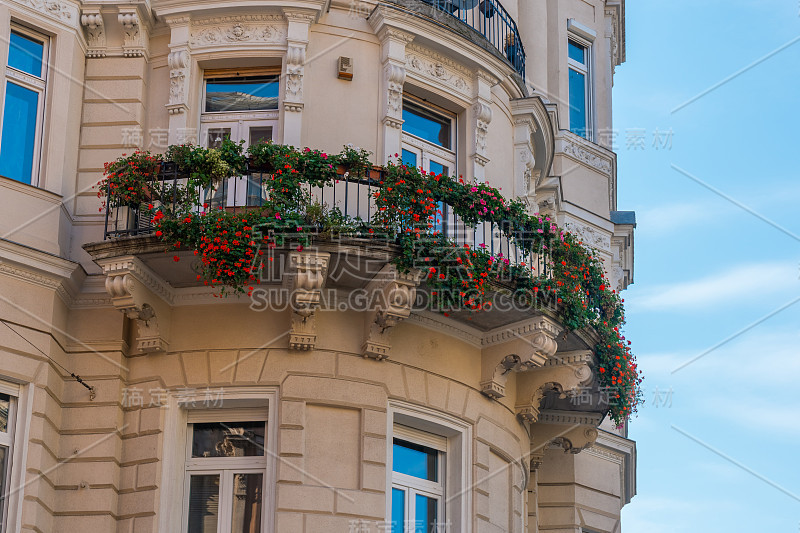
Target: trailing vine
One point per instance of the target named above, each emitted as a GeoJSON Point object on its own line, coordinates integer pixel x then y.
{"type": "Point", "coordinates": [233, 249]}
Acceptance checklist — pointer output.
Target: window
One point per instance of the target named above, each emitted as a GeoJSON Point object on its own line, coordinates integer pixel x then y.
{"type": "Point", "coordinates": [417, 481]}
{"type": "Point", "coordinates": [428, 141]}
{"type": "Point", "coordinates": [241, 105]}
{"type": "Point", "coordinates": [23, 105]}
{"type": "Point", "coordinates": [225, 468]}
{"type": "Point", "coordinates": [580, 88]}
{"type": "Point", "coordinates": [8, 406]}
{"type": "Point", "coordinates": [428, 487]}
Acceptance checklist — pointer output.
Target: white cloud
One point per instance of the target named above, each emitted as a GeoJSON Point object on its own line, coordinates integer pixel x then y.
{"type": "Point", "coordinates": [738, 283]}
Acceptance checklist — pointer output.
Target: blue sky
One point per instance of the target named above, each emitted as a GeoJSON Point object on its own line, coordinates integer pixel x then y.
{"type": "Point", "coordinates": [706, 269]}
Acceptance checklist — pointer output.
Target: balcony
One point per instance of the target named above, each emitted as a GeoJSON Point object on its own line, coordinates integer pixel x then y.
{"type": "Point", "coordinates": [481, 21]}
{"type": "Point", "coordinates": [322, 229]}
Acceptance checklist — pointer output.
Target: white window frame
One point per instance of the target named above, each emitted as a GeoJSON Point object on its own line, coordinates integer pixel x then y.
{"type": "Point", "coordinates": [583, 36]}
{"type": "Point", "coordinates": [18, 432]}
{"type": "Point", "coordinates": [225, 467]}
{"type": "Point", "coordinates": [239, 123]}
{"type": "Point", "coordinates": [413, 485]}
{"type": "Point", "coordinates": [38, 84]}
{"type": "Point", "coordinates": [188, 406]}
{"type": "Point", "coordinates": [421, 425]}
{"type": "Point", "coordinates": [427, 151]}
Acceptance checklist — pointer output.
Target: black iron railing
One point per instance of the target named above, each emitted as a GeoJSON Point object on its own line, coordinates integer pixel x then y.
{"type": "Point", "coordinates": [353, 197]}
{"type": "Point", "coordinates": [491, 20]}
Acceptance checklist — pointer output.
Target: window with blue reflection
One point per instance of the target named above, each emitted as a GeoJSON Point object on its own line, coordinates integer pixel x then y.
{"type": "Point", "coordinates": [426, 518]}
{"type": "Point", "coordinates": [19, 133]}
{"type": "Point", "coordinates": [415, 460]}
{"type": "Point", "coordinates": [25, 54]}
{"type": "Point", "coordinates": [249, 93]}
{"type": "Point", "coordinates": [398, 510]}
{"type": "Point", "coordinates": [438, 168]}
{"type": "Point", "coordinates": [577, 52]}
{"type": "Point", "coordinates": [425, 124]}
{"type": "Point", "coordinates": [577, 102]}
{"type": "Point", "coordinates": [409, 158]}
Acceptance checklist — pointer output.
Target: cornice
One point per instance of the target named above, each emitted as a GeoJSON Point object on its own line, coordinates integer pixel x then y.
{"type": "Point", "coordinates": [548, 416]}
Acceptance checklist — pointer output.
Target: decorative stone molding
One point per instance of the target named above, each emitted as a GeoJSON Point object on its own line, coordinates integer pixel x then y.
{"type": "Point", "coordinates": [483, 116]}
{"type": "Point", "coordinates": [178, 62]}
{"type": "Point", "coordinates": [524, 346]}
{"type": "Point", "coordinates": [583, 155]}
{"type": "Point", "coordinates": [139, 294]}
{"type": "Point", "coordinates": [305, 277]}
{"type": "Point", "coordinates": [295, 62]}
{"type": "Point", "coordinates": [134, 36]}
{"type": "Point", "coordinates": [395, 76]}
{"type": "Point", "coordinates": [564, 372]}
{"type": "Point", "coordinates": [590, 236]}
{"type": "Point", "coordinates": [58, 9]}
{"type": "Point", "coordinates": [572, 432]}
{"type": "Point", "coordinates": [534, 144]}
{"type": "Point", "coordinates": [393, 294]}
{"type": "Point", "coordinates": [256, 29]}
{"type": "Point", "coordinates": [92, 22]}
{"type": "Point", "coordinates": [438, 69]}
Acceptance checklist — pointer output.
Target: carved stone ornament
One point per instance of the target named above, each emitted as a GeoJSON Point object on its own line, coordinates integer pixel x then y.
{"type": "Point", "coordinates": [395, 78]}
{"type": "Point", "coordinates": [483, 116]}
{"type": "Point", "coordinates": [92, 23]}
{"type": "Point", "coordinates": [516, 348]}
{"type": "Point", "coordinates": [63, 11]}
{"type": "Point", "coordinates": [585, 156]}
{"type": "Point", "coordinates": [295, 63]}
{"type": "Point", "coordinates": [305, 277]}
{"type": "Point", "coordinates": [393, 294]}
{"type": "Point", "coordinates": [178, 62]}
{"type": "Point", "coordinates": [266, 29]}
{"type": "Point", "coordinates": [133, 37]}
{"type": "Point", "coordinates": [590, 236]}
{"type": "Point", "coordinates": [136, 291]}
{"type": "Point", "coordinates": [438, 69]}
{"type": "Point", "coordinates": [564, 372]}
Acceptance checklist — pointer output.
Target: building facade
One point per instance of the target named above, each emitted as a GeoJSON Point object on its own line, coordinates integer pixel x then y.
{"type": "Point", "coordinates": [199, 414]}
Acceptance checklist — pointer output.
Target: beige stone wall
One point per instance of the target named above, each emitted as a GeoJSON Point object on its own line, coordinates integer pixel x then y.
{"type": "Point", "coordinates": [101, 464]}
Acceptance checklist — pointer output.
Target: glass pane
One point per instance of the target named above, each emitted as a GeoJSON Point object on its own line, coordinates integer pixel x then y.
{"type": "Point", "coordinates": [415, 460]}
{"type": "Point", "coordinates": [398, 510]}
{"type": "Point", "coordinates": [425, 520]}
{"type": "Point", "coordinates": [216, 136]}
{"type": "Point", "coordinates": [426, 124]}
{"type": "Point", "coordinates": [19, 133]}
{"type": "Point", "coordinates": [242, 94]}
{"type": "Point", "coordinates": [256, 189]}
{"type": "Point", "coordinates": [234, 439]}
{"type": "Point", "coordinates": [25, 54]}
{"type": "Point", "coordinates": [577, 52]}
{"type": "Point", "coordinates": [203, 503]}
{"type": "Point", "coordinates": [260, 134]}
{"type": "Point", "coordinates": [438, 168]}
{"type": "Point", "coordinates": [409, 158]}
{"type": "Point", "coordinates": [577, 103]}
{"type": "Point", "coordinates": [246, 512]}
{"type": "Point", "coordinates": [5, 403]}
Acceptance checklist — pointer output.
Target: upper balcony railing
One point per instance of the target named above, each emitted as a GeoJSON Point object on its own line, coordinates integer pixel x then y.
{"type": "Point", "coordinates": [492, 22]}
{"type": "Point", "coordinates": [353, 197]}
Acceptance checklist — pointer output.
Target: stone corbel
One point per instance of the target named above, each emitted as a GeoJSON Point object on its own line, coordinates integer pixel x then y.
{"type": "Point", "coordinates": [518, 348]}
{"type": "Point", "coordinates": [482, 116]}
{"type": "Point", "coordinates": [92, 22]}
{"type": "Point", "coordinates": [140, 295]}
{"type": "Point", "coordinates": [134, 34]}
{"type": "Point", "coordinates": [573, 432]}
{"type": "Point", "coordinates": [564, 372]}
{"type": "Point", "coordinates": [392, 294]}
{"type": "Point", "coordinates": [305, 277]}
{"type": "Point", "coordinates": [299, 22]}
{"type": "Point", "coordinates": [179, 64]}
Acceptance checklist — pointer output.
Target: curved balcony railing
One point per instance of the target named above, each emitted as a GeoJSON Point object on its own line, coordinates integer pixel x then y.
{"type": "Point", "coordinates": [492, 22]}
{"type": "Point", "coordinates": [353, 197]}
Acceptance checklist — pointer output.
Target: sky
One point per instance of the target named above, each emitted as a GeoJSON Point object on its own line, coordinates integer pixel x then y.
{"type": "Point", "coordinates": [706, 115]}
